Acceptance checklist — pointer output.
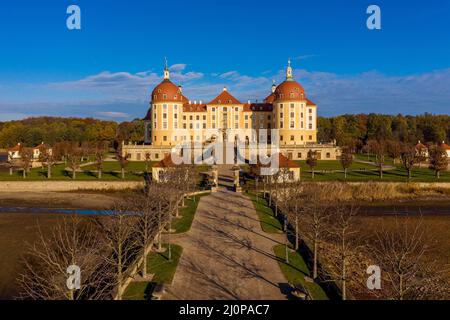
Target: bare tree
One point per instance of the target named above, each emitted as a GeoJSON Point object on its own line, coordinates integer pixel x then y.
{"type": "Point", "coordinates": [148, 162]}
{"type": "Point", "coordinates": [311, 161]}
{"type": "Point", "coordinates": [438, 160]}
{"type": "Point", "coordinates": [409, 159]}
{"type": "Point", "coordinates": [146, 226]}
{"type": "Point", "coordinates": [379, 149]}
{"type": "Point", "coordinates": [73, 242]}
{"type": "Point", "coordinates": [315, 220]}
{"type": "Point", "coordinates": [26, 160]}
{"type": "Point", "coordinates": [100, 152]}
{"type": "Point", "coordinates": [74, 159]}
{"type": "Point", "coordinates": [402, 252]}
{"type": "Point", "coordinates": [344, 238]}
{"type": "Point", "coordinates": [123, 161]}
{"type": "Point", "coordinates": [48, 158]}
{"type": "Point", "coordinates": [116, 228]}
{"type": "Point", "coordinates": [346, 159]}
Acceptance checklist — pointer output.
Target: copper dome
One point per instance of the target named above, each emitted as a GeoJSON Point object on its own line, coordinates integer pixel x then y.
{"type": "Point", "coordinates": [167, 91]}
{"type": "Point", "coordinates": [290, 91]}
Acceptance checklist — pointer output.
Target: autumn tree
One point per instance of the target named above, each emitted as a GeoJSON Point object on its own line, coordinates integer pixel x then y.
{"type": "Point", "coordinates": [438, 160]}
{"type": "Point", "coordinates": [346, 159]}
{"type": "Point", "coordinates": [394, 149]}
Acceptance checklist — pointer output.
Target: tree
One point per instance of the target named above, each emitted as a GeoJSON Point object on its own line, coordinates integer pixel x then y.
{"type": "Point", "coordinates": [344, 236]}
{"type": "Point", "coordinates": [438, 160]}
{"type": "Point", "coordinates": [394, 149]}
{"type": "Point", "coordinates": [117, 227]}
{"type": "Point", "coordinates": [148, 162]}
{"type": "Point", "coordinates": [74, 159]}
{"type": "Point", "coordinates": [379, 149]}
{"type": "Point", "coordinates": [146, 226]}
{"type": "Point", "coordinates": [26, 160]}
{"type": "Point", "coordinates": [346, 159]}
{"type": "Point", "coordinates": [409, 158]}
{"type": "Point", "coordinates": [73, 242]}
{"type": "Point", "coordinates": [402, 252]}
{"type": "Point", "coordinates": [315, 220]}
{"type": "Point", "coordinates": [123, 161]}
{"type": "Point", "coordinates": [48, 158]}
{"type": "Point", "coordinates": [99, 152]}
{"type": "Point", "coordinates": [311, 161]}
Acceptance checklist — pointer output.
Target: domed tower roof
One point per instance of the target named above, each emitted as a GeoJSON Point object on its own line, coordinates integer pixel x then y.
{"type": "Point", "coordinates": [167, 91]}
{"type": "Point", "coordinates": [290, 90]}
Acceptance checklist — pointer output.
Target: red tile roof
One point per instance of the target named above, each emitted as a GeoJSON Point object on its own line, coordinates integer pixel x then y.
{"type": "Point", "coordinates": [284, 162]}
{"type": "Point", "coordinates": [17, 147]}
{"type": "Point", "coordinates": [165, 163]}
{"type": "Point", "coordinates": [309, 102]}
{"type": "Point", "coordinates": [225, 98]}
{"type": "Point", "coordinates": [445, 146]}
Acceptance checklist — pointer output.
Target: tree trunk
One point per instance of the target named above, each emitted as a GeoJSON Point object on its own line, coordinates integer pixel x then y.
{"type": "Point", "coordinates": [315, 260]}
{"type": "Point", "coordinates": [312, 174]}
{"type": "Point", "coordinates": [123, 173]}
{"type": "Point", "coordinates": [381, 171]}
{"type": "Point", "coordinates": [74, 174]}
{"type": "Point", "coordinates": [297, 242]}
{"type": "Point", "coordinates": [10, 171]}
{"type": "Point", "coordinates": [99, 174]}
{"type": "Point", "coordinates": [49, 172]}
{"type": "Point", "coordinates": [438, 174]}
{"type": "Point", "coordinates": [409, 175]}
{"type": "Point", "coordinates": [24, 173]}
{"type": "Point", "coordinates": [345, 173]}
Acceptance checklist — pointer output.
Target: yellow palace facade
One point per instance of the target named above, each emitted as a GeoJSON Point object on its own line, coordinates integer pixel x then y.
{"type": "Point", "coordinates": [286, 118]}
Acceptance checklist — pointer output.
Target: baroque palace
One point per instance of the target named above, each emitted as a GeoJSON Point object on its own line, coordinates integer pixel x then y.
{"type": "Point", "coordinates": [173, 119]}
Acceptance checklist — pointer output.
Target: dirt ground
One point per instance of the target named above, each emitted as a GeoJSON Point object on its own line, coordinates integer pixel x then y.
{"type": "Point", "coordinates": [58, 200]}
{"type": "Point", "coordinates": [18, 229]}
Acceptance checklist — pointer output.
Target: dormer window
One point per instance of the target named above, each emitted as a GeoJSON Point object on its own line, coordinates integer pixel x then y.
{"type": "Point", "coordinates": [175, 97]}
{"type": "Point", "coordinates": [164, 96]}
{"type": "Point", "coordinates": [220, 101]}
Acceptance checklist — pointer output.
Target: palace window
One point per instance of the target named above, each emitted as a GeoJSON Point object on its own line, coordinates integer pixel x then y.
{"type": "Point", "coordinates": [292, 125]}
{"type": "Point", "coordinates": [204, 118]}
{"type": "Point", "coordinates": [281, 115]}
{"type": "Point", "coordinates": [292, 106]}
{"type": "Point", "coordinates": [310, 126]}
{"type": "Point", "coordinates": [281, 125]}
{"type": "Point", "coordinates": [310, 110]}
{"type": "Point", "coordinates": [165, 96]}
{"type": "Point", "coordinates": [165, 138]}
{"type": "Point", "coordinates": [191, 126]}
{"type": "Point", "coordinates": [198, 118]}
{"type": "Point", "coordinates": [310, 138]}
{"type": "Point", "coordinates": [165, 125]}
{"type": "Point", "coordinates": [292, 138]}
{"type": "Point", "coordinates": [184, 126]}
{"type": "Point", "coordinates": [204, 126]}
{"type": "Point", "coordinates": [184, 117]}
{"type": "Point", "coordinates": [299, 156]}
{"type": "Point", "coordinates": [191, 118]}
{"type": "Point", "coordinates": [246, 125]}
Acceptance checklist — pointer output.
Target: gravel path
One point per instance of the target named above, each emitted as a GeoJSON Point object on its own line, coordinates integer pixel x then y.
{"type": "Point", "coordinates": [226, 254]}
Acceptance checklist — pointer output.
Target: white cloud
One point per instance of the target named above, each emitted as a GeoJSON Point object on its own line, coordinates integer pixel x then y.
{"type": "Point", "coordinates": [126, 95]}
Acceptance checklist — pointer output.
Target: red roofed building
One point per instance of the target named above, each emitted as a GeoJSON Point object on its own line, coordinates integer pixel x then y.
{"type": "Point", "coordinates": [173, 119]}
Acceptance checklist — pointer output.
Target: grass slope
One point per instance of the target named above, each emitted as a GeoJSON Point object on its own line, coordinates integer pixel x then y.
{"type": "Point", "coordinates": [269, 223]}
{"type": "Point", "coordinates": [296, 271]}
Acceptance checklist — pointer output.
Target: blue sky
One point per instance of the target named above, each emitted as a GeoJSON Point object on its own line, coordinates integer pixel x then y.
{"type": "Point", "coordinates": [108, 69]}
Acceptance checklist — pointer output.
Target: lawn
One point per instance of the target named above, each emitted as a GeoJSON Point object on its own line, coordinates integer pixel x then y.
{"type": "Point", "coordinates": [396, 175]}
{"type": "Point", "coordinates": [269, 223]}
{"type": "Point", "coordinates": [333, 165]}
{"type": "Point", "coordinates": [296, 270]}
{"type": "Point", "coordinates": [187, 214]}
{"type": "Point", "coordinates": [163, 270]}
{"type": "Point", "coordinates": [134, 171]}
